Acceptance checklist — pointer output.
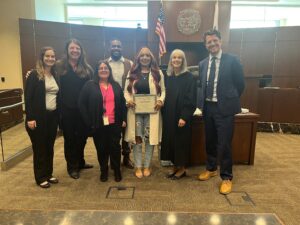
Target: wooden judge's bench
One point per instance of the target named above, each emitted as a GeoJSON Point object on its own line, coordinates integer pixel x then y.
{"type": "Point", "coordinates": [243, 143]}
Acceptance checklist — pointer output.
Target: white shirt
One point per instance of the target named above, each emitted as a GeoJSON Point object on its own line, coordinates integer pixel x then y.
{"type": "Point", "coordinates": [117, 69]}
{"type": "Point", "coordinates": [217, 60]}
{"type": "Point", "coordinates": [51, 92]}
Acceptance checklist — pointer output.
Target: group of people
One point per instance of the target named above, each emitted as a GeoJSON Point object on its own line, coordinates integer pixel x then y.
{"type": "Point", "coordinates": [101, 103]}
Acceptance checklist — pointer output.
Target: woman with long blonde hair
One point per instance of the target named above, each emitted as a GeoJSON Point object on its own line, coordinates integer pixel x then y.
{"type": "Point", "coordinates": [41, 106]}
{"type": "Point", "coordinates": [177, 115]}
{"type": "Point", "coordinates": [145, 78]}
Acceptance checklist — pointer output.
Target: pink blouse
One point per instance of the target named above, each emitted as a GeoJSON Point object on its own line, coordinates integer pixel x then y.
{"type": "Point", "coordinates": [108, 102]}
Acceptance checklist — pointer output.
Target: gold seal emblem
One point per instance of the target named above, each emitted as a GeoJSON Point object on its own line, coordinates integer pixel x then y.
{"type": "Point", "coordinates": [188, 21]}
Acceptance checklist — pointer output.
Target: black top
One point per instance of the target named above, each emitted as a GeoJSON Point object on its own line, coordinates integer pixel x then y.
{"type": "Point", "coordinates": [142, 85]}
{"type": "Point", "coordinates": [91, 104]}
{"type": "Point", "coordinates": [35, 100]}
{"type": "Point", "coordinates": [71, 85]}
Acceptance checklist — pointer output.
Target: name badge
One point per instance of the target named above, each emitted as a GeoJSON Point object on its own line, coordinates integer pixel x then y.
{"type": "Point", "coordinates": [105, 120]}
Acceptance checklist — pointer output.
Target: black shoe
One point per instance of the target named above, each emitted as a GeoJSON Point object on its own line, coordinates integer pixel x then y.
{"type": "Point", "coordinates": [178, 177]}
{"type": "Point", "coordinates": [86, 166]}
{"type": "Point", "coordinates": [53, 180]}
{"type": "Point", "coordinates": [74, 174]}
{"type": "Point", "coordinates": [118, 176]}
{"type": "Point", "coordinates": [104, 176]}
{"type": "Point", "coordinates": [45, 184]}
{"type": "Point", "coordinates": [127, 162]}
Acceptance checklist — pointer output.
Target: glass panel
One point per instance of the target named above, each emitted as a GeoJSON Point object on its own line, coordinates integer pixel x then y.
{"type": "Point", "coordinates": [14, 140]}
{"type": "Point", "coordinates": [112, 16]}
{"type": "Point", "coordinates": [14, 137]}
{"type": "Point", "coordinates": [264, 16]}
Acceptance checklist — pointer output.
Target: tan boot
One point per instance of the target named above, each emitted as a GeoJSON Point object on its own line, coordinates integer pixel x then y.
{"type": "Point", "coordinates": [226, 187]}
{"type": "Point", "coordinates": [207, 174]}
{"type": "Point", "coordinates": [147, 172]}
{"type": "Point", "coordinates": [138, 173]}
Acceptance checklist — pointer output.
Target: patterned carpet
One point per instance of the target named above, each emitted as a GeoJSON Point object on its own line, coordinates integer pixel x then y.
{"type": "Point", "coordinates": [270, 186]}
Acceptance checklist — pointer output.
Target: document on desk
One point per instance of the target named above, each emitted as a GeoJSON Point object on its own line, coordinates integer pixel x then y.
{"type": "Point", "coordinates": [144, 104]}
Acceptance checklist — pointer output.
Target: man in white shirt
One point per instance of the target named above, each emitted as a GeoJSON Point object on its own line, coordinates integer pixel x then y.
{"type": "Point", "coordinates": [120, 67]}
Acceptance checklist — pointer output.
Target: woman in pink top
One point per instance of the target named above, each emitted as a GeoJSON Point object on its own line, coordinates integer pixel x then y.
{"type": "Point", "coordinates": [102, 106]}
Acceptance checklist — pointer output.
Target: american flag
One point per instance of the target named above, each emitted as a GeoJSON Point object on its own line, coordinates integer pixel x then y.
{"type": "Point", "coordinates": [160, 31]}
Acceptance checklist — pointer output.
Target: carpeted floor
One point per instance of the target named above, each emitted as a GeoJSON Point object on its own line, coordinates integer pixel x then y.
{"type": "Point", "coordinates": [270, 186]}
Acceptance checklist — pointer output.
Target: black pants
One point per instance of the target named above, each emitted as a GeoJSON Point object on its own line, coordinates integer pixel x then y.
{"type": "Point", "coordinates": [218, 138]}
{"type": "Point", "coordinates": [107, 143]}
{"type": "Point", "coordinates": [125, 146]}
{"type": "Point", "coordinates": [75, 136]}
{"type": "Point", "coordinates": [42, 139]}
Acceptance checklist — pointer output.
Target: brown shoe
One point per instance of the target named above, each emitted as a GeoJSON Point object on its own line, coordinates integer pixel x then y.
{"type": "Point", "coordinates": [207, 174]}
{"type": "Point", "coordinates": [226, 187]}
{"type": "Point", "coordinates": [138, 173]}
{"type": "Point", "coordinates": [147, 172]}
{"type": "Point", "coordinates": [127, 162]}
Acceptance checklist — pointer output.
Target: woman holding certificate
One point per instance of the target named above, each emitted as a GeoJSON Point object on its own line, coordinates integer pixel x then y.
{"type": "Point", "coordinates": [102, 106]}
{"type": "Point", "coordinates": [177, 115]}
{"type": "Point", "coordinates": [144, 86]}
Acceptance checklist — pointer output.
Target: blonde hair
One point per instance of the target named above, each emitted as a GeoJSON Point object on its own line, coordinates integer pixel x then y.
{"type": "Point", "coordinates": [40, 63]}
{"type": "Point", "coordinates": [170, 70]}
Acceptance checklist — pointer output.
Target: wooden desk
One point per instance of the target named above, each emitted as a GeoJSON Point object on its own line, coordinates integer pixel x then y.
{"type": "Point", "coordinates": [279, 105]}
{"type": "Point", "coordinates": [11, 116]}
{"type": "Point", "coordinates": [243, 143]}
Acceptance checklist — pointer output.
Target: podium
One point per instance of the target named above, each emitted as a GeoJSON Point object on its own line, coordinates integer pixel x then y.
{"type": "Point", "coordinates": [243, 143]}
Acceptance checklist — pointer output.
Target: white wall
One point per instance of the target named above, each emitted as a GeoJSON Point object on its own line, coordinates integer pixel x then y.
{"type": "Point", "coordinates": [10, 61]}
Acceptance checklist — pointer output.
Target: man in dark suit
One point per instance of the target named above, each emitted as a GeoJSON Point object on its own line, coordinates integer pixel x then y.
{"type": "Point", "coordinates": [222, 83]}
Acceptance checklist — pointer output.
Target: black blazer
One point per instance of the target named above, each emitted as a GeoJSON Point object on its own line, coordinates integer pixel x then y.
{"type": "Point", "coordinates": [91, 104]}
{"type": "Point", "coordinates": [230, 84]}
{"type": "Point", "coordinates": [35, 100]}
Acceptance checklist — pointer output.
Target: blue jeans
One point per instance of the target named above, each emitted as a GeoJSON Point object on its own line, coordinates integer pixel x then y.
{"type": "Point", "coordinates": [142, 128]}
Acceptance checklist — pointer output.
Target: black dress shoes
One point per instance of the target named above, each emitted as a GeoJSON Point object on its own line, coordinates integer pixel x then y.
{"type": "Point", "coordinates": [45, 184]}
{"type": "Point", "coordinates": [74, 174]}
{"type": "Point", "coordinates": [178, 177]}
{"type": "Point", "coordinates": [127, 162]}
{"type": "Point", "coordinates": [104, 176]}
{"type": "Point", "coordinates": [86, 166]}
{"type": "Point", "coordinates": [53, 180]}
{"type": "Point", "coordinates": [118, 176]}
{"type": "Point", "coordinates": [170, 175]}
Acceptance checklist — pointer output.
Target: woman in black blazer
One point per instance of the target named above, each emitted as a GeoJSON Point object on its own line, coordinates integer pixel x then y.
{"type": "Point", "coordinates": [102, 106]}
{"type": "Point", "coordinates": [41, 105]}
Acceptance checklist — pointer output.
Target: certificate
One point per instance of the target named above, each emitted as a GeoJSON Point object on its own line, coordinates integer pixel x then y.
{"type": "Point", "coordinates": [144, 103]}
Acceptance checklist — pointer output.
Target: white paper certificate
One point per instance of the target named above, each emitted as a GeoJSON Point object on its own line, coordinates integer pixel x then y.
{"type": "Point", "coordinates": [144, 103]}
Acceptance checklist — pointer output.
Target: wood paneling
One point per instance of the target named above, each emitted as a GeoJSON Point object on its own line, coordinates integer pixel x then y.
{"type": "Point", "coordinates": [265, 104]}
{"type": "Point", "coordinates": [95, 40]}
{"type": "Point", "coordinates": [286, 81]}
{"type": "Point", "coordinates": [286, 105]}
{"type": "Point", "coordinates": [279, 105]}
{"type": "Point", "coordinates": [194, 52]}
{"type": "Point", "coordinates": [249, 98]}
{"type": "Point", "coordinates": [255, 63]}
{"type": "Point", "coordinates": [287, 58]}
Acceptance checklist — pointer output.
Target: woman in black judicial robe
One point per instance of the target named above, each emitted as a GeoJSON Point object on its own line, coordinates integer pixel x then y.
{"type": "Point", "coordinates": [177, 115]}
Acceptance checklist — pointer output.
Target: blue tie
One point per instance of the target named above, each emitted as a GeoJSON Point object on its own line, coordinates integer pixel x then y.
{"type": "Point", "coordinates": [211, 79]}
